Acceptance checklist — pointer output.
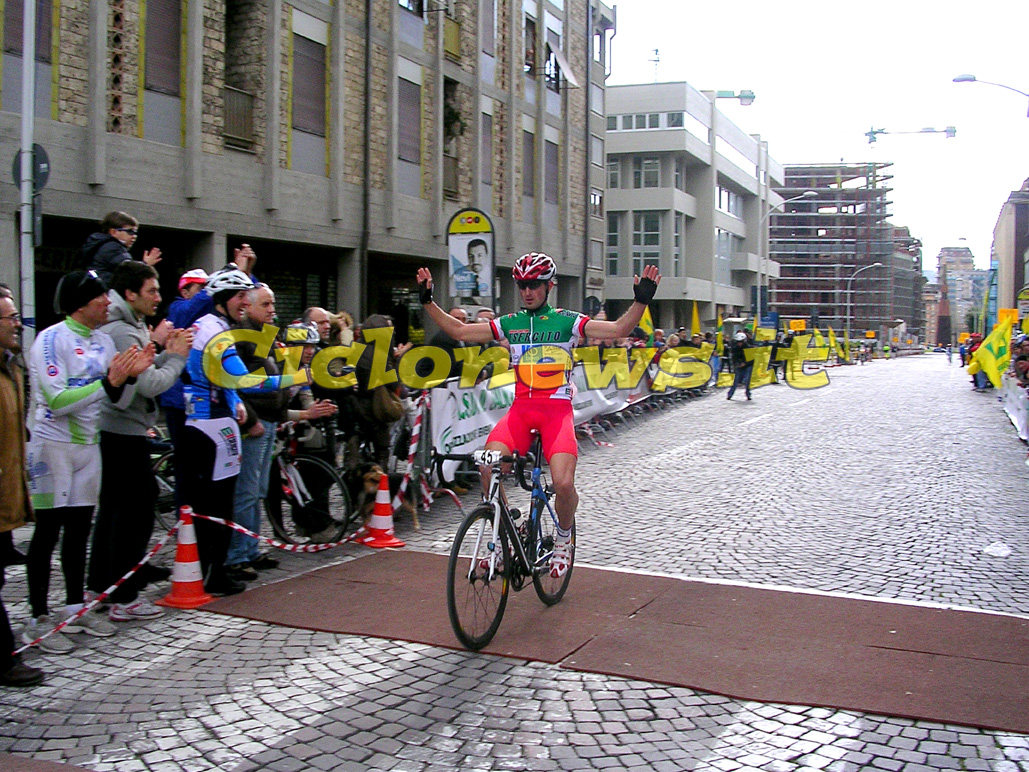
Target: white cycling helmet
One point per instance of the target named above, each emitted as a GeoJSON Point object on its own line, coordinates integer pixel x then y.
{"type": "Point", "coordinates": [228, 280]}
{"type": "Point", "coordinates": [534, 265]}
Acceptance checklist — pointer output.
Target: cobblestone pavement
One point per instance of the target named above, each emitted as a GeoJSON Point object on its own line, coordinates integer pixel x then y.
{"type": "Point", "coordinates": [869, 487]}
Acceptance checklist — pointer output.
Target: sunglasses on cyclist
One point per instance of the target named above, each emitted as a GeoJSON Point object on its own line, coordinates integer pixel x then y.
{"type": "Point", "coordinates": [131, 231]}
{"type": "Point", "coordinates": [530, 284]}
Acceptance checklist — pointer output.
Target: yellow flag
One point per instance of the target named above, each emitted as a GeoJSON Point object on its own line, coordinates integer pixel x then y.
{"type": "Point", "coordinates": [719, 339]}
{"type": "Point", "coordinates": [995, 352]}
{"type": "Point", "coordinates": [1025, 325]}
{"type": "Point", "coordinates": [834, 343]}
{"type": "Point", "coordinates": [695, 327]}
{"type": "Point", "coordinates": [819, 338]}
{"type": "Point", "coordinates": [647, 324]}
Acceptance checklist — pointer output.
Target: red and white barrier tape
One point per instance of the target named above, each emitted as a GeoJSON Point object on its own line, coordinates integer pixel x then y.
{"type": "Point", "coordinates": [87, 607]}
{"type": "Point", "coordinates": [321, 547]}
{"type": "Point", "coordinates": [416, 433]}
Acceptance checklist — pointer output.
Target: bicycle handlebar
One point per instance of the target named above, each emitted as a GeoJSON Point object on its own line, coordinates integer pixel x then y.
{"type": "Point", "coordinates": [480, 458]}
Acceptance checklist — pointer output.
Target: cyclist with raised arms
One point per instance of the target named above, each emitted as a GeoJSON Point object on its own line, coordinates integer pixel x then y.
{"type": "Point", "coordinates": [538, 334]}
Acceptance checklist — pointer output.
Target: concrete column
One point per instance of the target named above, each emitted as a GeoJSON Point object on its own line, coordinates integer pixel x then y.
{"type": "Point", "coordinates": [96, 145]}
{"type": "Point", "coordinates": [337, 100]}
{"type": "Point", "coordinates": [272, 102]}
{"type": "Point", "coordinates": [193, 168]}
{"type": "Point", "coordinates": [209, 253]}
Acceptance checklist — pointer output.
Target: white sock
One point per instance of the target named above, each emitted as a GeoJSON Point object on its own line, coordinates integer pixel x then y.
{"type": "Point", "coordinates": [563, 535]}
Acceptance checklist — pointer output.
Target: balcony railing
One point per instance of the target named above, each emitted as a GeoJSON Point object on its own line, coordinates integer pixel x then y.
{"type": "Point", "coordinates": [450, 176]}
{"type": "Point", "coordinates": [239, 119]}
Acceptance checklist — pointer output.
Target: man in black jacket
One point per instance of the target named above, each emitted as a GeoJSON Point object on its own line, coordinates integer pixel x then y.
{"type": "Point", "coordinates": [106, 249]}
{"type": "Point", "coordinates": [742, 367]}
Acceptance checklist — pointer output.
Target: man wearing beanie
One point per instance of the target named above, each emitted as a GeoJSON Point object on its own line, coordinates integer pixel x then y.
{"type": "Point", "coordinates": [73, 366]}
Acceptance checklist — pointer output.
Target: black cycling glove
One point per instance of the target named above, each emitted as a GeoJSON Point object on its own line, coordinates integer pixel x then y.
{"type": "Point", "coordinates": [424, 294]}
{"type": "Point", "coordinates": [644, 290]}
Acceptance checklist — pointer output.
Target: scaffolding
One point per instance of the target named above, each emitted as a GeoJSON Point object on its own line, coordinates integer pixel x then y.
{"type": "Point", "coordinates": [820, 242]}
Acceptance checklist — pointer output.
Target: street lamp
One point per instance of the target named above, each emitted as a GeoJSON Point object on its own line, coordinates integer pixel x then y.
{"type": "Point", "coordinates": [762, 277]}
{"type": "Point", "coordinates": [950, 131]}
{"type": "Point", "coordinates": [746, 96]}
{"type": "Point", "coordinates": [972, 79]}
{"type": "Point", "coordinates": [859, 270]}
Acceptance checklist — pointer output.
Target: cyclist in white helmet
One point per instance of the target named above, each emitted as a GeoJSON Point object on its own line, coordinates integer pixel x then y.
{"type": "Point", "coordinates": [543, 396]}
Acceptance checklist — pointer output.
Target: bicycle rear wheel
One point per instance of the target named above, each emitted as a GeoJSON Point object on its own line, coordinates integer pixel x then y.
{"type": "Point", "coordinates": [307, 502]}
{"type": "Point", "coordinates": [476, 590]}
{"type": "Point", "coordinates": [549, 589]}
{"type": "Point", "coordinates": [165, 510]}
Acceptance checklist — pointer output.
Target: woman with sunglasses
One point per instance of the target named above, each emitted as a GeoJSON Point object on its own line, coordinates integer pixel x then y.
{"type": "Point", "coordinates": [541, 339]}
{"type": "Point", "coordinates": [103, 251]}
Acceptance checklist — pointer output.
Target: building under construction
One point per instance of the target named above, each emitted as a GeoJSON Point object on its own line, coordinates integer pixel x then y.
{"type": "Point", "coordinates": [827, 247]}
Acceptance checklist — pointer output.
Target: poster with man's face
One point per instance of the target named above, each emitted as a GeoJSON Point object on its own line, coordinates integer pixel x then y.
{"type": "Point", "coordinates": [470, 265]}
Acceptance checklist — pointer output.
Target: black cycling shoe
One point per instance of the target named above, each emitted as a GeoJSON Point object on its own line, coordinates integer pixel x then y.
{"type": "Point", "coordinates": [264, 562]}
{"type": "Point", "coordinates": [224, 586]}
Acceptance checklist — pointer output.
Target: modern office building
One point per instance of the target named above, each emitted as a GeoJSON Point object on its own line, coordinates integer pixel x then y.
{"type": "Point", "coordinates": [1010, 250]}
{"type": "Point", "coordinates": [690, 192]}
{"type": "Point", "coordinates": [828, 246]}
{"type": "Point", "coordinates": [336, 139]}
{"type": "Point", "coordinates": [966, 287]}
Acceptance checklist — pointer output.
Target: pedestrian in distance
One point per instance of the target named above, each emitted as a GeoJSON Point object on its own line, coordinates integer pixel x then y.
{"type": "Point", "coordinates": [15, 506]}
{"type": "Point", "coordinates": [742, 367]}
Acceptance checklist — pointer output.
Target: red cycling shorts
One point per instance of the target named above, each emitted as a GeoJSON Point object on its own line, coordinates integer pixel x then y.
{"type": "Point", "coordinates": [553, 419]}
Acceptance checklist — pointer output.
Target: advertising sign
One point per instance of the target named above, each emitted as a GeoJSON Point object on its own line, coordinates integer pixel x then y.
{"type": "Point", "coordinates": [1023, 302]}
{"type": "Point", "coordinates": [797, 325]}
{"type": "Point", "coordinates": [471, 257]}
{"type": "Point", "coordinates": [1008, 314]}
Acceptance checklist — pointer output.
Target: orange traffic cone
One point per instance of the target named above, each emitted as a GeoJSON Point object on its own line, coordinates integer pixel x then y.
{"type": "Point", "coordinates": [379, 532]}
{"type": "Point", "coordinates": [187, 579]}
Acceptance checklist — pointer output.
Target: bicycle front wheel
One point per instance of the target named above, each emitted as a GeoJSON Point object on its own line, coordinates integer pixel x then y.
{"type": "Point", "coordinates": [477, 585]}
{"type": "Point", "coordinates": [549, 589]}
{"type": "Point", "coordinates": [165, 511]}
{"type": "Point", "coordinates": [307, 502]}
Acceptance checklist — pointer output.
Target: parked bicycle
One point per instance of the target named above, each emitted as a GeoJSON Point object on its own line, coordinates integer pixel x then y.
{"type": "Point", "coordinates": [307, 500]}
{"type": "Point", "coordinates": [497, 548]}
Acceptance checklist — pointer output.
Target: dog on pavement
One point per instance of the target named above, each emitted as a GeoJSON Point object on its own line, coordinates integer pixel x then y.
{"type": "Point", "coordinates": [364, 485]}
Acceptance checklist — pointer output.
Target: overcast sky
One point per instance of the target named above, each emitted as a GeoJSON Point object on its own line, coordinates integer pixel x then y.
{"type": "Point", "coordinates": [824, 73]}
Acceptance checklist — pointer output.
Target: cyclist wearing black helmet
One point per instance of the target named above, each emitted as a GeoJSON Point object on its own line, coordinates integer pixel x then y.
{"type": "Point", "coordinates": [541, 338]}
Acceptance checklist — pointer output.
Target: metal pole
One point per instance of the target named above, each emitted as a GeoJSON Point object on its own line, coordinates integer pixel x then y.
{"type": "Point", "coordinates": [27, 220]}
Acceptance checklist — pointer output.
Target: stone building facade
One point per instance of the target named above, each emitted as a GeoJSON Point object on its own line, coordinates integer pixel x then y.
{"type": "Point", "coordinates": [223, 122]}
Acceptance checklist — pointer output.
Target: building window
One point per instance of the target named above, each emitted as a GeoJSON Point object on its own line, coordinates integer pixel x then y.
{"type": "Point", "coordinates": [551, 178]}
{"type": "Point", "coordinates": [677, 246]}
{"type": "Point", "coordinates": [409, 120]}
{"type": "Point", "coordinates": [613, 225]}
{"type": "Point", "coordinates": [613, 172]}
{"type": "Point", "coordinates": [596, 202]}
{"type": "Point", "coordinates": [489, 27]}
{"type": "Point", "coordinates": [530, 47]}
{"type": "Point", "coordinates": [641, 121]}
{"type": "Point", "coordinates": [598, 47]}
{"type": "Point", "coordinates": [596, 254]}
{"type": "Point", "coordinates": [675, 120]}
{"type": "Point", "coordinates": [163, 38]}
{"type": "Point", "coordinates": [308, 86]}
{"type": "Point", "coordinates": [551, 69]}
{"type": "Point", "coordinates": [596, 150]}
{"type": "Point", "coordinates": [528, 164]}
{"type": "Point", "coordinates": [680, 174]}
{"type": "Point", "coordinates": [730, 202]}
{"type": "Point", "coordinates": [612, 123]}
{"type": "Point", "coordinates": [726, 245]}
{"type": "Point", "coordinates": [646, 240]}
{"type": "Point", "coordinates": [654, 121]}
{"type": "Point", "coordinates": [487, 149]}
{"type": "Point", "coordinates": [414, 6]}
{"type": "Point", "coordinates": [646, 172]}
{"type": "Point", "coordinates": [14, 26]}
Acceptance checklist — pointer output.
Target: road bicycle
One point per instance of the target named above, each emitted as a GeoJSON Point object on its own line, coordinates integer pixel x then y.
{"type": "Point", "coordinates": [496, 548]}
{"type": "Point", "coordinates": [307, 500]}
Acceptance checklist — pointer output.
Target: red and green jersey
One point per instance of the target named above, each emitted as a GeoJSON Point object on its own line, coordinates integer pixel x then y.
{"type": "Point", "coordinates": [541, 349]}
